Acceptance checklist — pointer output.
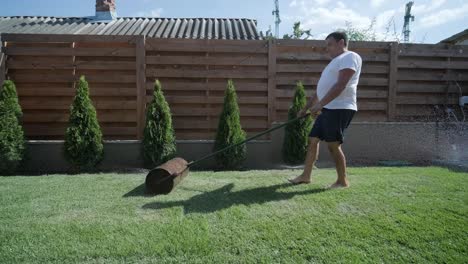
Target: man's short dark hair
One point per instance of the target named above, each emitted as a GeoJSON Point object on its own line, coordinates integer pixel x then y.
{"type": "Point", "coordinates": [339, 35]}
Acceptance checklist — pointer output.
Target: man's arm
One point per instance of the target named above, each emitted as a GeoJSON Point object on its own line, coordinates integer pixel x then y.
{"type": "Point", "coordinates": [343, 78]}
{"type": "Point", "coordinates": [310, 103]}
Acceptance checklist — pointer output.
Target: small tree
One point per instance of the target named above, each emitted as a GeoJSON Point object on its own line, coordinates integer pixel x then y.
{"type": "Point", "coordinates": [298, 32]}
{"type": "Point", "coordinates": [9, 96]}
{"type": "Point", "coordinates": [296, 134]}
{"type": "Point", "coordinates": [159, 142]}
{"type": "Point", "coordinates": [83, 146]}
{"type": "Point", "coordinates": [12, 142]}
{"type": "Point", "coordinates": [230, 132]}
{"type": "Point", "coordinates": [360, 34]}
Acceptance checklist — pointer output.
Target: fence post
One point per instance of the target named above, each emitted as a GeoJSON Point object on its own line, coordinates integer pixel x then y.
{"type": "Point", "coordinates": [392, 81]}
{"type": "Point", "coordinates": [141, 84]}
{"type": "Point", "coordinates": [2, 63]}
{"type": "Point", "coordinates": [271, 81]}
{"type": "Point", "coordinates": [2, 68]}
{"type": "Point", "coordinates": [75, 78]}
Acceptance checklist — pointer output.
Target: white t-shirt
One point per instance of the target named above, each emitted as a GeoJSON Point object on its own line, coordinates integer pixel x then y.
{"type": "Point", "coordinates": [347, 99]}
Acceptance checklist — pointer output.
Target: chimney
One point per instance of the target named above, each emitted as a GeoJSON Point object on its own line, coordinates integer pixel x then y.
{"type": "Point", "coordinates": [105, 10]}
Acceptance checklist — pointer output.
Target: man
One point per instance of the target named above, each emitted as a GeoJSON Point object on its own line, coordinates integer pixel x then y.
{"type": "Point", "coordinates": [334, 106]}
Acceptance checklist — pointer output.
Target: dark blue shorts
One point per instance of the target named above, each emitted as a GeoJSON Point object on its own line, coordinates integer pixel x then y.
{"type": "Point", "coordinates": [331, 124]}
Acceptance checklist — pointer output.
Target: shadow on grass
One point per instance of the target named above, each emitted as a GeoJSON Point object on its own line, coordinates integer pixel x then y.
{"type": "Point", "coordinates": [140, 190]}
{"type": "Point", "coordinates": [224, 198]}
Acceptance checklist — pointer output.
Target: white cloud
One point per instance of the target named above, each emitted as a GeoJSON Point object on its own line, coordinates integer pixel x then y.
{"type": "Point", "coordinates": [321, 35]}
{"type": "Point", "coordinates": [418, 9]}
{"type": "Point", "coordinates": [444, 16]}
{"type": "Point", "coordinates": [292, 18]}
{"type": "Point", "coordinates": [295, 3]}
{"type": "Point", "coordinates": [322, 20]}
{"type": "Point", "coordinates": [321, 2]}
{"type": "Point", "coordinates": [151, 13]}
{"type": "Point", "coordinates": [317, 18]}
{"type": "Point", "coordinates": [385, 25]}
{"type": "Point", "coordinates": [376, 3]}
{"type": "Point", "coordinates": [383, 18]}
{"type": "Point", "coordinates": [327, 18]}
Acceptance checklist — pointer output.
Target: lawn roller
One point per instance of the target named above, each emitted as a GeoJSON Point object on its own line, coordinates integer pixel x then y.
{"type": "Point", "coordinates": [164, 178]}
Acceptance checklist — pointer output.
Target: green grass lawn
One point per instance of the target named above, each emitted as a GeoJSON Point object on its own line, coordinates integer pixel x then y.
{"type": "Point", "coordinates": [390, 215]}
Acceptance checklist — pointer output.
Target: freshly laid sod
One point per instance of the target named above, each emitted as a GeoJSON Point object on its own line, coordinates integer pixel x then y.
{"type": "Point", "coordinates": [388, 215]}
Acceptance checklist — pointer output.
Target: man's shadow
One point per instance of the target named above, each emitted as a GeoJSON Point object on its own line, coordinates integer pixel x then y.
{"type": "Point", "coordinates": [223, 198]}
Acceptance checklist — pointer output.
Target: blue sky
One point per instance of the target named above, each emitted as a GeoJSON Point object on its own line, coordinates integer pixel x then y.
{"type": "Point", "coordinates": [435, 19]}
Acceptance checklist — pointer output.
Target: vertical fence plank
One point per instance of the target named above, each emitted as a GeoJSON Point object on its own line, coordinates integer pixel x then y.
{"type": "Point", "coordinates": [392, 81]}
{"type": "Point", "coordinates": [72, 45]}
{"type": "Point", "coordinates": [271, 81]}
{"type": "Point", "coordinates": [2, 68]}
{"type": "Point", "coordinates": [207, 92]}
{"type": "Point", "coordinates": [141, 85]}
{"type": "Point", "coordinates": [2, 63]}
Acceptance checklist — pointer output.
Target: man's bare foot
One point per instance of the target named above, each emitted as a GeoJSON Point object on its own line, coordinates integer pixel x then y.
{"type": "Point", "coordinates": [300, 180]}
{"type": "Point", "coordinates": [339, 184]}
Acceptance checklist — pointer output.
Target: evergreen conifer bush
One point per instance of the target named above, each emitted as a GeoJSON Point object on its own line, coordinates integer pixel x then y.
{"type": "Point", "coordinates": [12, 141]}
{"type": "Point", "coordinates": [230, 132]}
{"type": "Point", "coordinates": [296, 134]}
{"type": "Point", "coordinates": [83, 146]}
{"type": "Point", "coordinates": [159, 141]}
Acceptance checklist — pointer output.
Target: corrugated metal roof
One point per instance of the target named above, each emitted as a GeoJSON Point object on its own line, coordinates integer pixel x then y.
{"type": "Point", "coordinates": [193, 28]}
{"type": "Point", "coordinates": [459, 37]}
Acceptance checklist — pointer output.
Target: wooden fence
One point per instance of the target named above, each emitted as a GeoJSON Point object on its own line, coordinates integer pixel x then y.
{"type": "Point", "coordinates": [398, 81]}
{"type": "Point", "coordinates": [2, 67]}
{"type": "Point", "coordinates": [45, 68]}
{"type": "Point", "coordinates": [194, 75]}
{"type": "Point", "coordinates": [427, 76]}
